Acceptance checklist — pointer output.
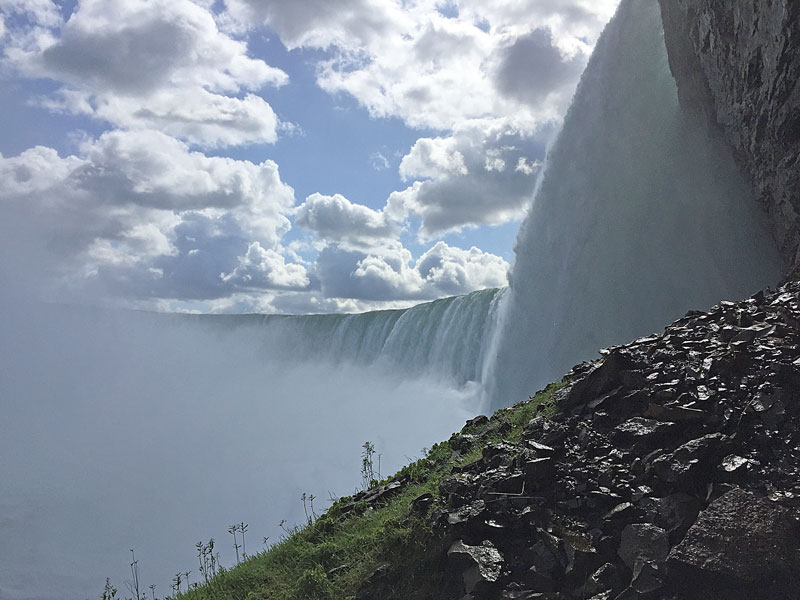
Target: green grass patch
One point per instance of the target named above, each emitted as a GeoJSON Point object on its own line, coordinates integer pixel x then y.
{"type": "Point", "coordinates": [329, 558]}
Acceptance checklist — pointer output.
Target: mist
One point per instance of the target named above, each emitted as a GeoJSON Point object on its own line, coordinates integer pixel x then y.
{"type": "Point", "coordinates": [124, 430]}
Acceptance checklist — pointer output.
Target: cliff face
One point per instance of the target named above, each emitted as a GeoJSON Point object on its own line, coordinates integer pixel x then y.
{"type": "Point", "coordinates": [738, 65]}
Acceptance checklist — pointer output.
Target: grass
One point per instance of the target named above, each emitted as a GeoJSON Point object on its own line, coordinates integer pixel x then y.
{"type": "Point", "coordinates": [329, 558]}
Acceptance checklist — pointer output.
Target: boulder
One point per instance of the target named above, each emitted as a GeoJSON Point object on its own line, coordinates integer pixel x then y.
{"type": "Point", "coordinates": [739, 538]}
{"type": "Point", "coordinates": [481, 566]}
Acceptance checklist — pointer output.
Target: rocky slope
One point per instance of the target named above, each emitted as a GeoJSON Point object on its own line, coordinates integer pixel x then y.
{"type": "Point", "coordinates": [737, 64]}
{"type": "Point", "coordinates": [671, 471]}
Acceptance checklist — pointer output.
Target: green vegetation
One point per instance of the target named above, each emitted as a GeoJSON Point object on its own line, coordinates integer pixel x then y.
{"type": "Point", "coordinates": [329, 557]}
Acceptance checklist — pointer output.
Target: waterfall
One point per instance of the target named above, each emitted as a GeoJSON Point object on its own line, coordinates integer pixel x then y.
{"type": "Point", "coordinates": [444, 339]}
{"type": "Point", "coordinates": [641, 215]}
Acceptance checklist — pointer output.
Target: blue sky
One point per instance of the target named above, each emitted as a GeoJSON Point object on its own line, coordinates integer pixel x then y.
{"type": "Point", "coordinates": [270, 156]}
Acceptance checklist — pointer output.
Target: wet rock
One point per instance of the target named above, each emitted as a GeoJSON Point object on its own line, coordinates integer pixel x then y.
{"type": "Point", "coordinates": [643, 542]}
{"type": "Point", "coordinates": [739, 537]}
{"type": "Point", "coordinates": [602, 379]}
{"type": "Point", "coordinates": [469, 513]}
{"type": "Point", "coordinates": [644, 433]}
{"type": "Point", "coordinates": [476, 422]}
{"type": "Point", "coordinates": [648, 577]}
{"type": "Point", "coordinates": [481, 566]}
{"type": "Point", "coordinates": [691, 457]}
{"type": "Point", "coordinates": [604, 579]}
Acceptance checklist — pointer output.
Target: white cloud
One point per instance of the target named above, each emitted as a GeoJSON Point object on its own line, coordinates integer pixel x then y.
{"type": "Point", "coordinates": [335, 218]}
{"type": "Point", "coordinates": [266, 268]}
{"type": "Point", "coordinates": [40, 12]}
{"type": "Point", "coordinates": [455, 271]}
{"type": "Point", "coordinates": [378, 161]}
{"type": "Point", "coordinates": [433, 158]}
{"type": "Point", "coordinates": [494, 160]}
{"type": "Point", "coordinates": [388, 272]}
{"type": "Point", "coordinates": [155, 63]}
{"type": "Point", "coordinates": [468, 181]}
{"type": "Point", "coordinates": [411, 61]}
{"type": "Point", "coordinates": [527, 167]}
{"type": "Point", "coordinates": [533, 70]}
{"type": "Point", "coordinates": [137, 214]}
{"type": "Point", "coordinates": [320, 23]}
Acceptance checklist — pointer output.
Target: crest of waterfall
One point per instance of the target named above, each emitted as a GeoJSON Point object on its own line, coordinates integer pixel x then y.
{"type": "Point", "coordinates": [444, 339]}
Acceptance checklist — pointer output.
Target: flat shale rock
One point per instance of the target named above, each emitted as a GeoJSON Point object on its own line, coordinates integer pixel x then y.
{"type": "Point", "coordinates": [740, 537]}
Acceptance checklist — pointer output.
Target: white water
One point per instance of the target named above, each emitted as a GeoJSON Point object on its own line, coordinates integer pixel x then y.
{"type": "Point", "coordinates": [444, 339]}
{"type": "Point", "coordinates": [639, 218]}
{"type": "Point", "coordinates": [151, 432]}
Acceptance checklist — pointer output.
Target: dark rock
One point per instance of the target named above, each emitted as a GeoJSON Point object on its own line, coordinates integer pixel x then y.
{"type": "Point", "coordinates": [739, 537]}
{"type": "Point", "coordinates": [648, 577]}
{"type": "Point", "coordinates": [674, 513]}
{"type": "Point", "coordinates": [476, 422]}
{"type": "Point", "coordinates": [375, 583]}
{"type": "Point", "coordinates": [645, 433]}
{"type": "Point", "coordinates": [422, 503]}
{"type": "Point", "coordinates": [602, 379]}
{"type": "Point", "coordinates": [469, 513]}
{"type": "Point", "coordinates": [621, 511]}
{"type": "Point", "coordinates": [673, 414]}
{"type": "Point", "coordinates": [604, 579]}
{"type": "Point", "coordinates": [539, 470]}
{"type": "Point", "coordinates": [643, 542]}
{"type": "Point", "coordinates": [688, 459]}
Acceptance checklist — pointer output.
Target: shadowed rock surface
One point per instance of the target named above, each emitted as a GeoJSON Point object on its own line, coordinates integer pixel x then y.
{"type": "Point", "coordinates": [737, 64]}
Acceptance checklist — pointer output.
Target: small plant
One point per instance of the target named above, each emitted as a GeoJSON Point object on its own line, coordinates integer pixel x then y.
{"type": "Point", "coordinates": [368, 465]}
{"type": "Point", "coordinates": [242, 528]}
{"type": "Point", "coordinates": [176, 585]}
{"type": "Point", "coordinates": [308, 505]}
{"type": "Point", "coordinates": [208, 561]}
{"type": "Point", "coordinates": [109, 591]}
{"type": "Point", "coordinates": [133, 585]}
{"type": "Point", "coordinates": [232, 530]}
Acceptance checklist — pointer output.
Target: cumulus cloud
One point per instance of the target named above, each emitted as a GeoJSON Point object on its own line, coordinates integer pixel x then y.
{"type": "Point", "coordinates": [533, 70]}
{"type": "Point", "coordinates": [436, 68]}
{"type": "Point", "coordinates": [137, 213]}
{"type": "Point", "coordinates": [267, 268]}
{"type": "Point", "coordinates": [469, 181]}
{"type": "Point", "coordinates": [476, 72]}
{"type": "Point", "coordinates": [157, 63]}
{"type": "Point", "coordinates": [389, 272]}
{"type": "Point", "coordinates": [335, 218]}
{"type": "Point", "coordinates": [320, 23]}
{"type": "Point", "coordinates": [433, 158]}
